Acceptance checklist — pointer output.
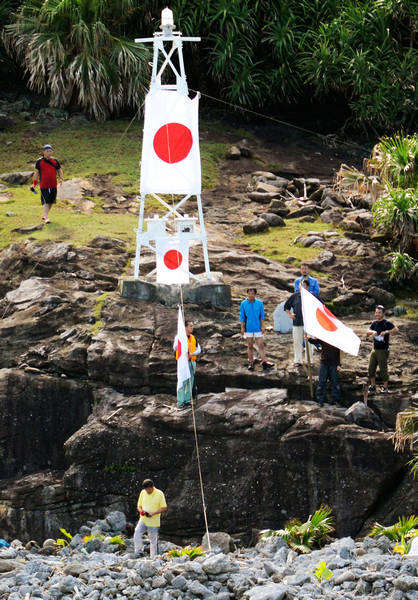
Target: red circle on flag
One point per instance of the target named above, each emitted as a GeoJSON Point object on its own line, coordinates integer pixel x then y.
{"type": "Point", "coordinates": [325, 321]}
{"type": "Point", "coordinates": [173, 142]}
{"type": "Point", "coordinates": [178, 349]}
{"type": "Point", "coordinates": [329, 313]}
{"type": "Point", "coordinates": [173, 259]}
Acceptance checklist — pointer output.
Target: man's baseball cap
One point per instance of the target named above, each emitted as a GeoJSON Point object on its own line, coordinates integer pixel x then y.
{"type": "Point", "coordinates": [47, 147]}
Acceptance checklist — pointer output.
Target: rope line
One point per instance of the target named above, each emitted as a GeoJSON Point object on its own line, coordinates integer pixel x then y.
{"type": "Point", "coordinates": [196, 441]}
{"type": "Point", "coordinates": [268, 117]}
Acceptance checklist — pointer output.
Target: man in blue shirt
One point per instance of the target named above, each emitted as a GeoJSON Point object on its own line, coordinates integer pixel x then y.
{"type": "Point", "coordinates": [252, 327]}
{"type": "Point", "coordinates": [313, 283]}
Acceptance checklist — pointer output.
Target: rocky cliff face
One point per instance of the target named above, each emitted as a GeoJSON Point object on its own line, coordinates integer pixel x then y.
{"type": "Point", "coordinates": [87, 406]}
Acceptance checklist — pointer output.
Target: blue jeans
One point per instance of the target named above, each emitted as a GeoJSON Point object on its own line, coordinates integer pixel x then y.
{"type": "Point", "coordinates": [328, 372]}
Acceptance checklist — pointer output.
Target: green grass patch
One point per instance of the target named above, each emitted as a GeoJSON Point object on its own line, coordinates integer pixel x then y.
{"type": "Point", "coordinates": [408, 299]}
{"type": "Point", "coordinates": [277, 243]}
{"type": "Point", "coordinates": [66, 223]}
{"type": "Point", "coordinates": [95, 148]}
{"type": "Point", "coordinates": [97, 313]}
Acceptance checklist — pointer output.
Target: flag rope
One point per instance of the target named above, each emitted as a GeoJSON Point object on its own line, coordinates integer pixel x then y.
{"type": "Point", "coordinates": [196, 441]}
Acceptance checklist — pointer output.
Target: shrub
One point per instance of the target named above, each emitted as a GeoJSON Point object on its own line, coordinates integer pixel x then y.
{"type": "Point", "coordinates": [402, 266]}
{"type": "Point", "coordinates": [191, 551]}
{"type": "Point", "coordinates": [404, 528]}
{"type": "Point", "coordinates": [304, 537]}
{"type": "Point", "coordinates": [395, 159]}
{"type": "Point", "coordinates": [397, 211]}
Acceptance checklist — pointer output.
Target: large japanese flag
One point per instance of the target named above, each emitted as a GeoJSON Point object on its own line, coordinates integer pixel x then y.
{"type": "Point", "coordinates": [170, 152]}
{"type": "Point", "coordinates": [180, 344]}
{"type": "Point", "coordinates": [319, 322]}
{"type": "Point", "coordinates": [172, 260]}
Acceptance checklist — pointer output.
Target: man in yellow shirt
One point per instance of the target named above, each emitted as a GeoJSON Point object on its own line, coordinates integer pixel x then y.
{"type": "Point", "coordinates": [151, 504]}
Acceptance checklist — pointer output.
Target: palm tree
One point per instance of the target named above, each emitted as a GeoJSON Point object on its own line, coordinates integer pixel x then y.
{"type": "Point", "coordinates": [74, 50]}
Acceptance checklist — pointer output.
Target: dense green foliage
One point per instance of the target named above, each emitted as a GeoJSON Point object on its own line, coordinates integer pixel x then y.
{"type": "Point", "coordinates": [358, 54]}
{"type": "Point", "coordinates": [304, 537]}
{"type": "Point", "coordinates": [74, 49]}
{"type": "Point", "coordinates": [405, 527]}
{"type": "Point", "coordinates": [263, 52]}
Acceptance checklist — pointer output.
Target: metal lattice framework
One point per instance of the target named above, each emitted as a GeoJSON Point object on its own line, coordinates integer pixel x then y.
{"type": "Point", "coordinates": [185, 225]}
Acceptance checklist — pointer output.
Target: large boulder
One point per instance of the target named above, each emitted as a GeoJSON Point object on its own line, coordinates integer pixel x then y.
{"type": "Point", "coordinates": [17, 177]}
{"type": "Point", "coordinates": [273, 220]}
{"type": "Point", "coordinates": [257, 225]}
{"type": "Point", "coordinates": [362, 415]}
{"type": "Point", "coordinates": [381, 296]}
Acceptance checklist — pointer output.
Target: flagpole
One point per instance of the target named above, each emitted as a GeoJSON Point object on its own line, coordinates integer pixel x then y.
{"type": "Point", "coordinates": [199, 469]}
{"type": "Point", "coordinates": [308, 358]}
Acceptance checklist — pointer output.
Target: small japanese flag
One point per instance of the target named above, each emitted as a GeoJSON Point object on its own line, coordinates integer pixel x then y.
{"type": "Point", "coordinates": [170, 161]}
{"type": "Point", "coordinates": [319, 322]}
{"type": "Point", "coordinates": [172, 261]}
{"type": "Point", "coordinates": [182, 348]}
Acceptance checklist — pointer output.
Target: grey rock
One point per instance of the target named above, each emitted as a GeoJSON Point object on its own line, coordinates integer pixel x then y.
{"type": "Point", "coordinates": [9, 565]}
{"type": "Point", "coordinates": [298, 579]}
{"type": "Point", "coordinates": [68, 584]}
{"type": "Point", "coordinates": [220, 539]}
{"type": "Point", "coordinates": [263, 175]}
{"type": "Point", "coordinates": [255, 226]}
{"type": "Point", "coordinates": [406, 583]}
{"type": "Point", "coordinates": [325, 258]}
{"type": "Point", "coordinates": [244, 148]}
{"type": "Point", "coordinates": [270, 545]}
{"type": "Point", "coordinates": [307, 209]}
{"type": "Point", "coordinates": [214, 565]}
{"type": "Point", "coordinates": [77, 541]}
{"type": "Point", "coordinates": [263, 197]}
{"type": "Point", "coordinates": [270, 591]}
{"type": "Point", "coordinates": [116, 521]}
{"type": "Point", "coordinates": [372, 576]}
{"type": "Point", "coordinates": [273, 220]}
{"type": "Point", "coordinates": [7, 553]}
{"type": "Point", "coordinates": [233, 153]}
{"type": "Point", "coordinates": [346, 547]}
{"type": "Point", "coordinates": [17, 178]}
{"type": "Point", "coordinates": [362, 415]}
{"type": "Point", "coordinates": [381, 296]}
{"type": "Point", "coordinates": [332, 215]}
{"type": "Point", "coordinates": [199, 590]}
{"type": "Point", "coordinates": [179, 582]}
{"type": "Point", "coordinates": [158, 582]}
{"type": "Point", "coordinates": [147, 569]}
{"type": "Point", "coordinates": [328, 202]}
{"type": "Point", "coordinates": [281, 555]}
{"type": "Point", "coordinates": [75, 569]}
{"type": "Point", "coordinates": [398, 311]}
{"type": "Point", "coordinates": [343, 577]}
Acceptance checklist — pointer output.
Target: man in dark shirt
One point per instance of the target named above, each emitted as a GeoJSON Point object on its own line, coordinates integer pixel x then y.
{"type": "Point", "coordinates": [380, 329]}
{"type": "Point", "coordinates": [295, 303]}
{"type": "Point", "coordinates": [328, 370]}
{"type": "Point", "coordinates": [46, 169]}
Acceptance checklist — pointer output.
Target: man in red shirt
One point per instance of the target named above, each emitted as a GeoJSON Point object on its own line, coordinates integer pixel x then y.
{"type": "Point", "coordinates": [46, 169]}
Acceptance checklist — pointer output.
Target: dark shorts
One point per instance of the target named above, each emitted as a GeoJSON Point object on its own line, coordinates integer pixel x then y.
{"type": "Point", "coordinates": [48, 195]}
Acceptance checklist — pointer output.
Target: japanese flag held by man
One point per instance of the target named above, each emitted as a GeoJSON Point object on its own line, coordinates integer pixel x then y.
{"type": "Point", "coordinates": [319, 322]}
{"type": "Point", "coordinates": [181, 345]}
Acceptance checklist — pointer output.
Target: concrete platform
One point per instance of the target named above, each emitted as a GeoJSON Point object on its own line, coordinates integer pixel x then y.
{"type": "Point", "coordinates": [207, 291]}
